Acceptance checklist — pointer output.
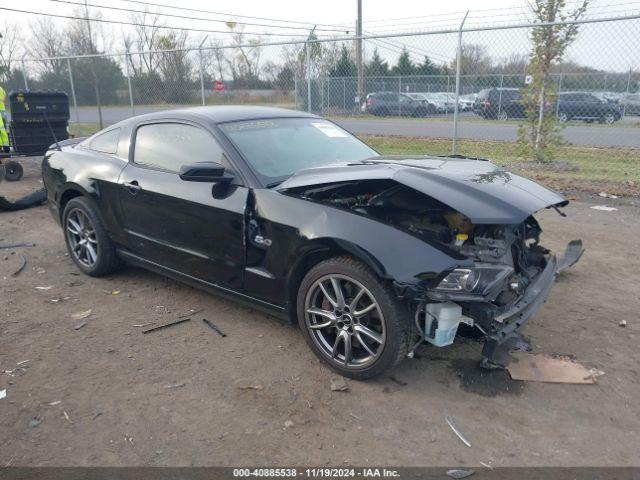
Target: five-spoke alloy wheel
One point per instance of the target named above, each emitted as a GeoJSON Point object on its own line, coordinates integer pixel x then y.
{"type": "Point", "coordinates": [345, 320]}
{"type": "Point", "coordinates": [89, 245]}
{"type": "Point", "coordinates": [81, 236]}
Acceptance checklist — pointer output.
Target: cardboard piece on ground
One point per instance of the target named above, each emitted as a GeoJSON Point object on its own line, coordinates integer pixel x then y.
{"type": "Point", "coordinates": [543, 368]}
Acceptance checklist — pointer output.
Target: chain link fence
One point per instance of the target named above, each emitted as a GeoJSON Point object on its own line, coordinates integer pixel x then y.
{"type": "Point", "coordinates": [439, 92]}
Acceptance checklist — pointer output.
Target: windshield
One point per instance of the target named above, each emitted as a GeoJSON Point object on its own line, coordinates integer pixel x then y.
{"type": "Point", "coordinates": [276, 148]}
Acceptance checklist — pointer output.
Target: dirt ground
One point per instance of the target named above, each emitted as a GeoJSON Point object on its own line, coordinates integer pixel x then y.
{"type": "Point", "coordinates": [107, 395]}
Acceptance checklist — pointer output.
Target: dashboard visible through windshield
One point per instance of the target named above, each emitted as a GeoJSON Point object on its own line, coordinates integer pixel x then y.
{"type": "Point", "coordinates": [275, 148]}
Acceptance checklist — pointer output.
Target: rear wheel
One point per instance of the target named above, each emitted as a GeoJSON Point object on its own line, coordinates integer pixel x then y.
{"type": "Point", "coordinates": [563, 117]}
{"type": "Point", "coordinates": [502, 115]}
{"type": "Point", "coordinates": [89, 245]}
{"type": "Point", "coordinates": [352, 320]}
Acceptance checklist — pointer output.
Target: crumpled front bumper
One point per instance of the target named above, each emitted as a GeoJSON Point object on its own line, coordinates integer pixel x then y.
{"type": "Point", "coordinates": [513, 318]}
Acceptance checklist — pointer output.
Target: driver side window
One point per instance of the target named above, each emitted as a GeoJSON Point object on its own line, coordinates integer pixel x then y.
{"type": "Point", "coordinates": [169, 146]}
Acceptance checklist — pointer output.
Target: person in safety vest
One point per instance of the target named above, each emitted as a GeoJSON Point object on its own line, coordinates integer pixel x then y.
{"type": "Point", "coordinates": [4, 135]}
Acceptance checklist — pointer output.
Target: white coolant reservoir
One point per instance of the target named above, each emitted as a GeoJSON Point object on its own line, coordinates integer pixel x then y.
{"type": "Point", "coordinates": [446, 317]}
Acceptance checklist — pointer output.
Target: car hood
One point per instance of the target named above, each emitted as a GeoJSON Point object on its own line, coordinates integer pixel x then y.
{"type": "Point", "coordinates": [480, 190]}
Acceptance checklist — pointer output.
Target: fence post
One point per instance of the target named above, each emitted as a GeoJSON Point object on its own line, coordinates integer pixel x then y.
{"type": "Point", "coordinates": [454, 145]}
{"type": "Point", "coordinates": [295, 90]}
{"type": "Point", "coordinates": [344, 94]}
{"type": "Point", "coordinates": [73, 91]}
{"type": "Point", "coordinates": [399, 94]}
{"type": "Point", "coordinates": [624, 105]}
{"type": "Point", "coordinates": [500, 96]}
{"type": "Point", "coordinates": [201, 70]}
{"type": "Point", "coordinates": [24, 73]}
{"type": "Point", "coordinates": [127, 59]}
{"type": "Point", "coordinates": [558, 96]}
{"type": "Point", "coordinates": [308, 55]}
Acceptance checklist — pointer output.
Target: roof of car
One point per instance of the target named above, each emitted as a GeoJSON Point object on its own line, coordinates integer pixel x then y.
{"type": "Point", "coordinates": [224, 113]}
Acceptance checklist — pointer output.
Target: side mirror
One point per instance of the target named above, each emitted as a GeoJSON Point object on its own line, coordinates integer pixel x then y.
{"type": "Point", "coordinates": [211, 172]}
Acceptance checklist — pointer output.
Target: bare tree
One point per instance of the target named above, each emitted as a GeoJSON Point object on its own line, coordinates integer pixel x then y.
{"type": "Point", "coordinates": [174, 65]}
{"type": "Point", "coordinates": [10, 48]}
{"type": "Point", "coordinates": [147, 36]}
{"type": "Point", "coordinates": [48, 40]}
{"type": "Point", "coordinates": [245, 64]}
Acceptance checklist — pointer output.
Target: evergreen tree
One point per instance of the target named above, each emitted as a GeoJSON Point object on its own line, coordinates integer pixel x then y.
{"type": "Point", "coordinates": [427, 67]}
{"type": "Point", "coordinates": [404, 66]}
{"type": "Point", "coordinates": [377, 67]}
{"type": "Point", "coordinates": [344, 67]}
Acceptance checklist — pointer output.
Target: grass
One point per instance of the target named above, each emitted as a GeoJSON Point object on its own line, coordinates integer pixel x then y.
{"type": "Point", "coordinates": [614, 170]}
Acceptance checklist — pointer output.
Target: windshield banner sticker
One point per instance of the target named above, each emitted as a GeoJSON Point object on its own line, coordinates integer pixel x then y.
{"type": "Point", "coordinates": [329, 130]}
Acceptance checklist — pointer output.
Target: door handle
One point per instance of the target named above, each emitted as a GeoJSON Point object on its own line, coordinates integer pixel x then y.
{"type": "Point", "coordinates": [133, 187]}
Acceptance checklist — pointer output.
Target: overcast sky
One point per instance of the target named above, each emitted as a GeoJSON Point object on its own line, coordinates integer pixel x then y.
{"type": "Point", "coordinates": [606, 46]}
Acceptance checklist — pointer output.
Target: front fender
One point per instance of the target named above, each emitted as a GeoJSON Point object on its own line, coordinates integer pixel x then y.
{"type": "Point", "coordinates": [297, 227]}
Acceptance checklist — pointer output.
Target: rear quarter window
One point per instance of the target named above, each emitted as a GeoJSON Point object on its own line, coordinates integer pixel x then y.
{"type": "Point", "coordinates": [106, 142]}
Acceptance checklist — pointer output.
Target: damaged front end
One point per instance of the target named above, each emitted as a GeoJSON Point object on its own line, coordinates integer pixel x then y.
{"type": "Point", "coordinates": [506, 274]}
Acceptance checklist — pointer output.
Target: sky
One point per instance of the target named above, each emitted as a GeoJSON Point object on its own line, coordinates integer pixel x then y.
{"type": "Point", "coordinates": [607, 46]}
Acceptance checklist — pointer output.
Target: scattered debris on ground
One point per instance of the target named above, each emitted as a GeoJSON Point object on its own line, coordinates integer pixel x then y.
{"type": "Point", "coordinates": [214, 328]}
{"type": "Point", "coordinates": [604, 208]}
{"type": "Point", "coordinates": [607, 195]}
{"type": "Point", "coordinates": [455, 429]}
{"type": "Point", "coordinates": [175, 385]}
{"type": "Point", "coordinates": [457, 473]}
{"type": "Point", "coordinates": [79, 326]}
{"type": "Point", "coordinates": [250, 387]}
{"type": "Point", "coordinates": [288, 424]}
{"type": "Point", "coordinates": [166, 325]}
{"type": "Point", "coordinates": [622, 323]}
{"type": "Point", "coordinates": [545, 368]}
{"type": "Point", "coordinates": [339, 384]}
{"type": "Point", "coordinates": [23, 264]}
{"type": "Point", "coordinates": [3, 393]}
{"type": "Point", "coordinates": [191, 313]}
{"type": "Point", "coordinates": [81, 315]}
{"type": "Point", "coordinates": [16, 245]}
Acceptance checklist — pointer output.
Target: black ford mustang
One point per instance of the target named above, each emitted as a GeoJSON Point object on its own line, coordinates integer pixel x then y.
{"type": "Point", "coordinates": [369, 254]}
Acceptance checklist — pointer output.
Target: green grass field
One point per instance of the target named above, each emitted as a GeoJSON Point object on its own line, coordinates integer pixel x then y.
{"type": "Point", "coordinates": [614, 170]}
{"type": "Point", "coordinates": [593, 169]}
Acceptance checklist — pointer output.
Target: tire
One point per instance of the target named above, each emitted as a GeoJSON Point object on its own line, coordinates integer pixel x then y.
{"type": "Point", "coordinates": [384, 328]}
{"type": "Point", "coordinates": [13, 171]}
{"type": "Point", "coordinates": [563, 117]}
{"type": "Point", "coordinates": [608, 118]}
{"type": "Point", "coordinates": [502, 116]}
{"type": "Point", "coordinates": [82, 212]}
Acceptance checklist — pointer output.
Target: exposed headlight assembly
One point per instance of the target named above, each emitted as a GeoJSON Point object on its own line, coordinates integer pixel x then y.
{"type": "Point", "coordinates": [478, 280]}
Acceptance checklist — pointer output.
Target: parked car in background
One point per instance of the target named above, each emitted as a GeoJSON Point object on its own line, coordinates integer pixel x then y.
{"type": "Point", "coordinates": [499, 103]}
{"type": "Point", "coordinates": [630, 104]}
{"type": "Point", "coordinates": [433, 102]}
{"type": "Point", "coordinates": [586, 106]}
{"type": "Point", "coordinates": [466, 101]}
{"type": "Point", "coordinates": [393, 103]}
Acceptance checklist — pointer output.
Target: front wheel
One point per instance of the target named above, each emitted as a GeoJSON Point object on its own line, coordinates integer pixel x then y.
{"type": "Point", "coordinates": [87, 240]}
{"type": "Point", "coordinates": [351, 320]}
{"type": "Point", "coordinates": [563, 117]}
{"type": "Point", "coordinates": [503, 116]}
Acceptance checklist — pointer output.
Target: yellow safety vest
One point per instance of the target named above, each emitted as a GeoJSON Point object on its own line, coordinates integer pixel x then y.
{"type": "Point", "coordinates": [3, 95]}
{"type": "Point", "coordinates": [4, 136]}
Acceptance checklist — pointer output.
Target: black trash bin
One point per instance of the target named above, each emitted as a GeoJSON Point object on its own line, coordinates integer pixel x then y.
{"type": "Point", "coordinates": [38, 119]}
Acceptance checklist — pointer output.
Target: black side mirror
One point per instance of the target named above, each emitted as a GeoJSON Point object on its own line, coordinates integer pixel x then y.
{"type": "Point", "coordinates": [211, 172]}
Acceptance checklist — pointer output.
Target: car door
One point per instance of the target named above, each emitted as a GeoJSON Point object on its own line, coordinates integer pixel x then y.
{"type": "Point", "coordinates": [195, 228]}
